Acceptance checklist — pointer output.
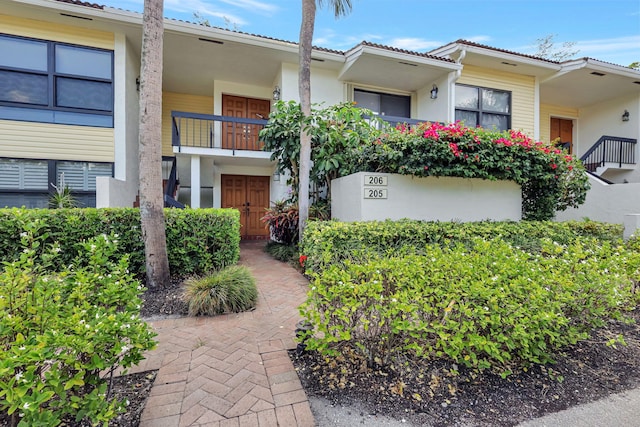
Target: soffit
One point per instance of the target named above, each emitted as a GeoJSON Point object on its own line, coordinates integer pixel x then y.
{"type": "Point", "coordinates": [393, 69]}
{"type": "Point", "coordinates": [580, 88]}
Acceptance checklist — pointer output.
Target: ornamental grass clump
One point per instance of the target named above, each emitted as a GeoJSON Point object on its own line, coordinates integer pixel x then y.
{"type": "Point", "coordinates": [230, 290]}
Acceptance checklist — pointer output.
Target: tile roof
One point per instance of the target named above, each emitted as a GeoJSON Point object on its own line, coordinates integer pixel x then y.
{"type": "Point", "coordinates": [83, 3]}
{"type": "Point", "coordinates": [483, 46]}
{"type": "Point", "coordinates": [409, 52]}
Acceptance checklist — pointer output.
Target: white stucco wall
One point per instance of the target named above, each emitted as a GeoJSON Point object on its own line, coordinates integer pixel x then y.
{"type": "Point", "coordinates": [121, 190]}
{"type": "Point", "coordinates": [606, 203]}
{"type": "Point", "coordinates": [606, 119]}
{"type": "Point", "coordinates": [434, 109]}
{"type": "Point", "coordinates": [430, 198]}
{"type": "Point", "coordinates": [325, 87]}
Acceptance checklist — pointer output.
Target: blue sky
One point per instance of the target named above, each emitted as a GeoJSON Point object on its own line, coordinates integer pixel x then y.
{"type": "Point", "coordinates": [608, 30]}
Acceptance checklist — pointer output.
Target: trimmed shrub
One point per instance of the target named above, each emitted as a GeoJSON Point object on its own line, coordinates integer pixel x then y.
{"type": "Point", "coordinates": [482, 304]}
{"type": "Point", "coordinates": [329, 243]}
{"type": "Point", "coordinates": [198, 240]}
{"type": "Point", "coordinates": [230, 290]}
{"type": "Point", "coordinates": [60, 329]}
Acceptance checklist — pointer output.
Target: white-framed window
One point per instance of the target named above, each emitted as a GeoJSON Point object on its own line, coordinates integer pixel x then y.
{"type": "Point", "coordinates": [484, 107]}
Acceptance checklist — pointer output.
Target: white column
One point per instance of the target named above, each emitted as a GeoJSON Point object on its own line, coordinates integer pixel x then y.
{"type": "Point", "coordinates": [195, 182]}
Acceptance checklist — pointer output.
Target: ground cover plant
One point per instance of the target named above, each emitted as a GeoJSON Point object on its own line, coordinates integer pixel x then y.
{"type": "Point", "coordinates": [63, 331]}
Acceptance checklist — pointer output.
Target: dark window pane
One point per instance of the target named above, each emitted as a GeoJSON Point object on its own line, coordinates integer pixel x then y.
{"type": "Point", "coordinates": [368, 100]}
{"type": "Point", "coordinates": [85, 94]}
{"type": "Point", "coordinates": [490, 121]}
{"type": "Point", "coordinates": [395, 105]}
{"type": "Point", "coordinates": [20, 53]}
{"type": "Point", "coordinates": [495, 100]}
{"type": "Point", "coordinates": [467, 97]}
{"type": "Point", "coordinates": [23, 88]}
{"type": "Point", "coordinates": [28, 200]}
{"type": "Point", "coordinates": [83, 62]}
{"type": "Point", "coordinates": [469, 118]}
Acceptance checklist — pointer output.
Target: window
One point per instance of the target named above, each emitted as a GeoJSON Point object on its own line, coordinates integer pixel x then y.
{"type": "Point", "coordinates": [488, 108]}
{"type": "Point", "coordinates": [383, 103]}
{"type": "Point", "coordinates": [52, 82]}
{"type": "Point", "coordinates": [27, 182]}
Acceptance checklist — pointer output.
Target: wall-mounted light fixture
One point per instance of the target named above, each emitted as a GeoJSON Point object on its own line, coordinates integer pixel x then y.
{"type": "Point", "coordinates": [276, 176]}
{"type": "Point", "coordinates": [625, 116]}
{"type": "Point", "coordinates": [276, 93]}
{"type": "Point", "coordinates": [138, 83]}
{"type": "Point", "coordinates": [434, 92]}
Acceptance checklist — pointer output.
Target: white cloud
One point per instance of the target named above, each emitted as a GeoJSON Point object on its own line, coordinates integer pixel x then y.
{"type": "Point", "coordinates": [329, 38]}
{"type": "Point", "coordinates": [413, 43]}
{"type": "Point", "coordinates": [205, 8]}
{"type": "Point", "coordinates": [618, 44]}
{"type": "Point", "coordinates": [252, 5]}
{"type": "Point", "coordinates": [478, 39]}
{"type": "Point", "coordinates": [618, 50]}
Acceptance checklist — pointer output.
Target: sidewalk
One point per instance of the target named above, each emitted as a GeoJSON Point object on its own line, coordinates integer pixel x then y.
{"type": "Point", "coordinates": [232, 370]}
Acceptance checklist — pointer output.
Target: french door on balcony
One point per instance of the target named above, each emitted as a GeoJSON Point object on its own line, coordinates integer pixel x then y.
{"type": "Point", "coordinates": [250, 195]}
{"type": "Point", "coordinates": [238, 136]}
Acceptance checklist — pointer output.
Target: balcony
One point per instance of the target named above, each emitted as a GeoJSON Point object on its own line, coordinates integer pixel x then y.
{"type": "Point", "coordinates": [205, 131]}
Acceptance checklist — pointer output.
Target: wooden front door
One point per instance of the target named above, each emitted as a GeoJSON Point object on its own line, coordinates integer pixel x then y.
{"type": "Point", "coordinates": [250, 195]}
{"type": "Point", "coordinates": [563, 129]}
{"type": "Point", "coordinates": [238, 136]}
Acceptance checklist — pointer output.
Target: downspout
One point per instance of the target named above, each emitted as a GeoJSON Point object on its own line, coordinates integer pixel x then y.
{"type": "Point", "coordinates": [536, 111]}
{"type": "Point", "coordinates": [453, 78]}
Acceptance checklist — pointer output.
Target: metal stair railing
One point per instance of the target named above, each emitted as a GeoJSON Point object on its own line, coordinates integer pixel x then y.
{"type": "Point", "coordinates": [610, 149]}
{"type": "Point", "coordinates": [171, 185]}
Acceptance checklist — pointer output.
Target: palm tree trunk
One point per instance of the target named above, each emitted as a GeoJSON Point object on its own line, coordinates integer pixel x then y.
{"type": "Point", "coordinates": [304, 88]}
{"type": "Point", "coordinates": [150, 147]}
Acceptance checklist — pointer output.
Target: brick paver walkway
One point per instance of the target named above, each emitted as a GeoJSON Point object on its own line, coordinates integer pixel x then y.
{"type": "Point", "coordinates": [232, 370]}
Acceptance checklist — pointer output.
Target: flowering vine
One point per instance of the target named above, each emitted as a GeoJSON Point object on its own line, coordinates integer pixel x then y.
{"type": "Point", "coordinates": [551, 179]}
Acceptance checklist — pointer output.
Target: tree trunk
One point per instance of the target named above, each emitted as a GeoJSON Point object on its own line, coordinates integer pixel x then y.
{"type": "Point", "coordinates": [304, 87]}
{"type": "Point", "coordinates": [150, 147]}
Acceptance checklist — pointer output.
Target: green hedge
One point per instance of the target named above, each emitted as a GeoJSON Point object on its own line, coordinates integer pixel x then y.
{"type": "Point", "coordinates": [329, 243]}
{"type": "Point", "coordinates": [482, 303]}
{"type": "Point", "coordinates": [198, 240]}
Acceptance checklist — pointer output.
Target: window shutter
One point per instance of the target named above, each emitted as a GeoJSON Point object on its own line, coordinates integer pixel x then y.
{"type": "Point", "coordinates": [74, 175]}
{"type": "Point", "coordinates": [23, 175]}
{"type": "Point", "coordinates": [35, 176]}
{"type": "Point", "coordinates": [9, 174]}
{"type": "Point", "coordinates": [97, 169]}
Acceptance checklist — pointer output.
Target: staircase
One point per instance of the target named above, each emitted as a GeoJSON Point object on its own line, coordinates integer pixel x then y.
{"type": "Point", "coordinates": [610, 152]}
{"type": "Point", "coordinates": [170, 184]}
